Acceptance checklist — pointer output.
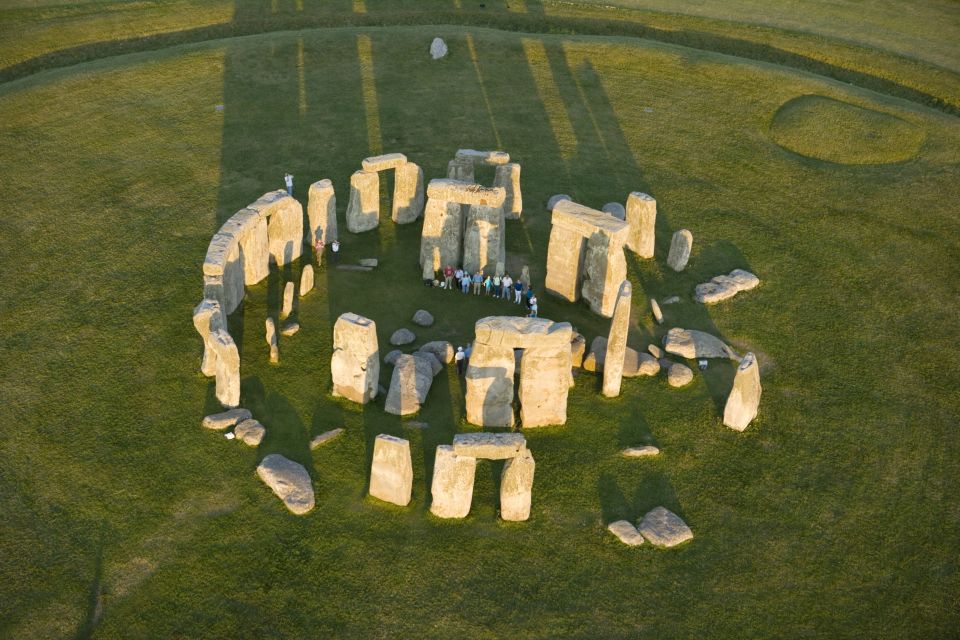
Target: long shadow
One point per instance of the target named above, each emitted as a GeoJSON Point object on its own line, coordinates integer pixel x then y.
{"type": "Point", "coordinates": [93, 605]}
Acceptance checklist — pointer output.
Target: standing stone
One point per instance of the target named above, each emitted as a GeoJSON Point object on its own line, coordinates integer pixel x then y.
{"type": "Point", "coordinates": [363, 209]}
{"type": "Point", "coordinates": [288, 291]}
{"type": "Point", "coordinates": [407, 193]}
{"type": "Point", "coordinates": [489, 379]}
{"type": "Point", "coordinates": [604, 264]}
{"type": "Point", "coordinates": [680, 247]}
{"type": "Point", "coordinates": [508, 177]}
{"type": "Point", "coordinates": [306, 280]}
{"type": "Point", "coordinates": [355, 365]}
{"type": "Point", "coordinates": [452, 486]}
{"type": "Point", "coordinates": [461, 169]}
{"type": "Point", "coordinates": [322, 212]}
{"type": "Point", "coordinates": [228, 369]}
{"type": "Point", "coordinates": [744, 399]}
{"type": "Point", "coordinates": [438, 49]}
{"type": "Point", "coordinates": [284, 227]}
{"type": "Point", "coordinates": [207, 319]}
{"type": "Point", "coordinates": [525, 277]}
{"type": "Point", "coordinates": [254, 247]}
{"type": "Point", "coordinates": [617, 342]}
{"type": "Point", "coordinates": [655, 309]}
{"type": "Point", "coordinates": [391, 473]}
{"type": "Point", "coordinates": [441, 241]}
{"type": "Point", "coordinates": [642, 218]}
{"type": "Point", "coordinates": [544, 385]}
{"type": "Point", "coordinates": [578, 346]}
{"type": "Point", "coordinates": [290, 482]}
{"type": "Point", "coordinates": [271, 338]}
{"type": "Point", "coordinates": [483, 238]}
{"type": "Point", "coordinates": [516, 487]}
{"type": "Point", "coordinates": [616, 210]}
{"type": "Point", "coordinates": [409, 385]}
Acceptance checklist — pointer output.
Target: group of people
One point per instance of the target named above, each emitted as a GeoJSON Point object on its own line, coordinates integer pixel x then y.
{"type": "Point", "coordinates": [502, 287]}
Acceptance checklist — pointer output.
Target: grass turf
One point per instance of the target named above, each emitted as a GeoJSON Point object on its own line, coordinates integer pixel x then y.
{"type": "Point", "coordinates": [834, 514]}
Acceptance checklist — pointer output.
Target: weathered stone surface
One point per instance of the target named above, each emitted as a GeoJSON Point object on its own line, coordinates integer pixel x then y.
{"type": "Point", "coordinates": [521, 333]}
{"type": "Point", "coordinates": [402, 336]}
{"type": "Point", "coordinates": [693, 344]}
{"type": "Point", "coordinates": [428, 273]}
{"type": "Point", "coordinates": [626, 533]}
{"type": "Point", "coordinates": [438, 49]}
{"type": "Point", "coordinates": [461, 169]}
{"type": "Point", "coordinates": [680, 246]}
{"type": "Point", "coordinates": [596, 356]}
{"type": "Point", "coordinates": [483, 157]}
{"type": "Point", "coordinates": [289, 481]}
{"type": "Point", "coordinates": [465, 192]}
{"type": "Point", "coordinates": [270, 336]}
{"type": "Point", "coordinates": [391, 473]}
{"type": "Point", "coordinates": [391, 358]}
{"type": "Point", "coordinates": [641, 452]}
{"type": "Point", "coordinates": [617, 342]}
{"type": "Point", "coordinates": [442, 349]}
{"type": "Point", "coordinates": [363, 208]}
{"type": "Point", "coordinates": [671, 300]}
{"type": "Point", "coordinates": [407, 194]}
{"type": "Point", "coordinates": [228, 368]}
{"type": "Point", "coordinates": [355, 365]}
{"type": "Point", "coordinates": [482, 239]}
{"type": "Point", "coordinates": [288, 291]}
{"type": "Point", "coordinates": [384, 162]}
{"type": "Point", "coordinates": [723, 287]}
{"type": "Point", "coordinates": [565, 257]}
{"type": "Point", "coordinates": [250, 432]}
{"type": "Point", "coordinates": [306, 280]}
{"type": "Point", "coordinates": [744, 399]}
{"type": "Point", "coordinates": [409, 385]}
{"type": "Point", "coordinates": [368, 262]}
{"type": "Point", "coordinates": [290, 328]}
{"type": "Point", "coordinates": [663, 528]}
{"type": "Point", "coordinates": [325, 437]}
{"type": "Point", "coordinates": [639, 364]}
{"type": "Point", "coordinates": [322, 212]}
{"type": "Point", "coordinates": [254, 241]}
{"type": "Point", "coordinates": [226, 419]}
{"type": "Point", "coordinates": [416, 424]}
{"type": "Point", "coordinates": [552, 202]}
{"type": "Point", "coordinates": [578, 346]}
{"type": "Point", "coordinates": [284, 226]}
{"type": "Point", "coordinates": [452, 486]}
{"type": "Point", "coordinates": [516, 487]}
{"type": "Point", "coordinates": [441, 240]}
{"type": "Point", "coordinates": [679, 375]}
{"type": "Point", "coordinates": [604, 268]}
{"type": "Point", "coordinates": [423, 318]}
{"type": "Point", "coordinates": [353, 267]}
{"type": "Point", "coordinates": [435, 364]}
{"type": "Point", "coordinates": [544, 384]}
{"type": "Point", "coordinates": [489, 382]}
{"type": "Point", "coordinates": [508, 177]}
{"type": "Point", "coordinates": [655, 351]}
{"type": "Point", "coordinates": [489, 446]}
{"type": "Point", "coordinates": [616, 210]}
{"type": "Point", "coordinates": [655, 310]}
{"type": "Point", "coordinates": [642, 218]}
{"type": "Point", "coordinates": [207, 318]}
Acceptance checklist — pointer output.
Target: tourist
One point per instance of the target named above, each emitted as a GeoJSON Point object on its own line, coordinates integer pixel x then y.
{"type": "Point", "coordinates": [458, 275]}
{"type": "Point", "coordinates": [288, 180]}
{"type": "Point", "coordinates": [447, 277]}
{"type": "Point", "coordinates": [335, 250]}
{"type": "Point", "coordinates": [518, 291]}
{"type": "Point", "coordinates": [466, 354]}
{"type": "Point", "coordinates": [465, 283]}
{"type": "Point", "coordinates": [477, 281]}
{"type": "Point", "coordinates": [507, 286]}
{"type": "Point", "coordinates": [487, 283]}
{"type": "Point", "coordinates": [459, 358]}
{"type": "Point", "coordinates": [318, 252]}
{"type": "Point", "coordinates": [496, 286]}
{"type": "Point", "coordinates": [529, 295]}
{"type": "Point", "coordinates": [533, 307]}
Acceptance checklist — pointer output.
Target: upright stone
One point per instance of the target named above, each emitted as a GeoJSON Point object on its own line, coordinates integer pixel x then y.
{"type": "Point", "coordinates": [287, 309]}
{"type": "Point", "coordinates": [452, 486]}
{"type": "Point", "coordinates": [207, 319]}
{"type": "Point", "coordinates": [255, 248]}
{"type": "Point", "coordinates": [442, 236]}
{"type": "Point", "coordinates": [271, 339]}
{"type": "Point", "coordinates": [355, 365]}
{"type": "Point", "coordinates": [306, 280]}
{"type": "Point", "coordinates": [482, 238]}
{"type": "Point", "coordinates": [322, 212]}
{"type": "Point", "coordinates": [363, 209]}
{"type": "Point", "coordinates": [516, 487]}
{"type": "Point", "coordinates": [604, 268]}
{"type": "Point", "coordinates": [744, 399]}
{"type": "Point", "coordinates": [616, 210]}
{"type": "Point", "coordinates": [544, 385]}
{"type": "Point", "coordinates": [409, 385]}
{"type": "Point", "coordinates": [642, 218]}
{"type": "Point", "coordinates": [508, 177]}
{"type": "Point", "coordinates": [617, 342]}
{"type": "Point", "coordinates": [391, 473]}
{"type": "Point", "coordinates": [680, 246]}
{"type": "Point", "coordinates": [565, 257]}
{"type": "Point", "coordinates": [460, 169]}
{"type": "Point", "coordinates": [284, 227]}
{"type": "Point", "coordinates": [228, 369]}
{"type": "Point", "coordinates": [407, 193]}
{"type": "Point", "coordinates": [489, 378]}
{"type": "Point", "coordinates": [525, 277]}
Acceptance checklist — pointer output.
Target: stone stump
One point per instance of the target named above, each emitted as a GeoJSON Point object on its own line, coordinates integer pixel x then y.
{"type": "Point", "coordinates": [287, 308]}
{"type": "Point", "coordinates": [516, 487]}
{"type": "Point", "coordinates": [744, 399]}
{"type": "Point", "coordinates": [617, 342]}
{"type": "Point", "coordinates": [391, 472]}
{"type": "Point", "coordinates": [322, 212]}
{"type": "Point", "coordinates": [680, 246]}
{"type": "Point", "coordinates": [452, 486]}
{"type": "Point", "coordinates": [363, 209]}
{"type": "Point", "coordinates": [355, 365]}
{"type": "Point", "coordinates": [306, 280]}
{"type": "Point", "coordinates": [642, 218]}
{"type": "Point", "coordinates": [271, 339]}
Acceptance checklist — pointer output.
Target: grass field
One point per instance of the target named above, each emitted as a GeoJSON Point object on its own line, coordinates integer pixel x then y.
{"type": "Point", "coordinates": [836, 514]}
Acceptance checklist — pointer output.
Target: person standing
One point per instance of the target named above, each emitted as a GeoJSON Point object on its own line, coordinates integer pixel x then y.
{"type": "Point", "coordinates": [533, 307]}
{"type": "Point", "coordinates": [335, 250]}
{"type": "Point", "coordinates": [448, 276]}
{"type": "Point", "coordinates": [477, 281]}
{"type": "Point", "coordinates": [459, 357]}
{"type": "Point", "coordinates": [496, 286]}
{"type": "Point", "coordinates": [465, 283]}
{"type": "Point", "coordinates": [487, 283]}
{"type": "Point", "coordinates": [318, 252]}
{"type": "Point", "coordinates": [518, 291]}
{"type": "Point", "coordinates": [507, 287]}
{"type": "Point", "coordinates": [288, 180]}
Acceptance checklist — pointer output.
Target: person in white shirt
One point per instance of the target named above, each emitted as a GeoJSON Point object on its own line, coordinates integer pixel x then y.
{"type": "Point", "coordinates": [335, 250]}
{"type": "Point", "coordinates": [288, 180]}
{"type": "Point", "coordinates": [506, 286]}
{"type": "Point", "coordinates": [459, 358]}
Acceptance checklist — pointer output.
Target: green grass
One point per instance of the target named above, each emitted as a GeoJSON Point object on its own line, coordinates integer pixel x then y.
{"type": "Point", "coordinates": [836, 514]}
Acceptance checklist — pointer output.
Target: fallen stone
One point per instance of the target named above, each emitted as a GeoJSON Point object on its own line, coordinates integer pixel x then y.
{"type": "Point", "coordinates": [578, 346]}
{"type": "Point", "coordinates": [655, 309]}
{"type": "Point", "coordinates": [639, 364]}
{"type": "Point", "coordinates": [288, 290]}
{"type": "Point", "coordinates": [306, 280]}
{"type": "Point", "coordinates": [640, 452]}
{"type": "Point", "coordinates": [402, 336]}
{"type": "Point", "coordinates": [679, 375]}
{"type": "Point", "coordinates": [416, 424]}
{"type": "Point", "coordinates": [442, 349]}
{"type": "Point", "coordinates": [226, 419]}
{"type": "Point", "coordinates": [663, 528]}
{"type": "Point", "coordinates": [680, 246]}
{"type": "Point", "coordinates": [391, 473]}
{"type": "Point", "coordinates": [452, 486]}
{"type": "Point", "coordinates": [438, 49]}
{"type": "Point", "coordinates": [353, 267]}
{"type": "Point", "coordinates": [516, 487]}
{"type": "Point", "coordinates": [409, 385]}
{"type": "Point", "coordinates": [423, 318]}
{"type": "Point", "coordinates": [692, 344]}
{"type": "Point", "coordinates": [724, 287]}
{"type": "Point", "coordinates": [431, 358]}
{"type": "Point", "coordinates": [616, 210]}
{"type": "Point", "coordinates": [744, 399]}
{"type": "Point", "coordinates": [290, 329]}
{"type": "Point", "coordinates": [289, 481]}
{"type": "Point", "coordinates": [671, 300]}
{"type": "Point", "coordinates": [391, 358]}
{"type": "Point", "coordinates": [325, 437]}
{"type": "Point", "coordinates": [270, 335]}
{"type": "Point", "coordinates": [368, 262]}
{"type": "Point", "coordinates": [489, 446]}
{"type": "Point", "coordinates": [250, 432]}
{"type": "Point", "coordinates": [552, 202]}
{"type": "Point", "coordinates": [626, 533]}
{"type": "Point", "coordinates": [655, 351]}
{"type": "Point", "coordinates": [598, 351]}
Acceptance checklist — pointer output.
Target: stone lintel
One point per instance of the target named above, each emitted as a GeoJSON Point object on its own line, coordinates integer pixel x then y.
{"type": "Point", "coordinates": [587, 221]}
{"type": "Point", "coordinates": [384, 162]}
{"type": "Point", "coordinates": [489, 446]}
{"type": "Point", "coordinates": [483, 157]}
{"type": "Point", "coordinates": [465, 192]}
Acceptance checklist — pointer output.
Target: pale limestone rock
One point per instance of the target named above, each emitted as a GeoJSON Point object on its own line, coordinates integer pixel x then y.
{"type": "Point", "coordinates": [680, 246]}
{"type": "Point", "coordinates": [603, 264]}
{"type": "Point", "coordinates": [655, 310]}
{"type": "Point", "coordinates": [325, 437]}
{"type": "Point", "coordinates": [423, 318]}
{"type": "Point", "coordinates": [508, 177]}
{"type": "Point", "coordinates": [693, 344]}
{"type": "Point", "coordinates": [639, 364]}
{"type": "Point", "coordinates": [284, 227]}
{"type": "Point", "coordinates": [617, 342]}
{"type": "Point", "coordinates": [289, 329]}
{"type": "Point", "coordinates": [271, 339]}
{"type": "Point", "coordinates": [228, 368]}
{"type": "Point", "coordinates": [552, 202]}
{"type": "Point", "coordinates": [460, 169]}
{"type": "Point", "coordinates": [391, 473]}
{"type": "Point", "coordinates": [482, 238]}
{"type": "Point", "coordinates": [438, 49]}
{"type": "Point", "coordinates": [679, 375]}
{"type": "Point", "coordinates": [355, 365]}
{"type": "Point", "coordinates": [465, 192]}
{"type": "Point", "coordinates": [516, 487]}
{"type": "Point", "coordinates": [723, 287]}
{"type": "Point", "coordinates": [441, 240]}
{"type": "Point", "coordinates": [489, 446]}
{"type": "Point", "coordinates": [254, 248]}
{"type": "Point", "coordinates": [744, 399]}
{"type": "Point", "coordinates": [452, 486]}
{"type": "Point", "coordinates": [663, 528]}
{"type": "Point", "coordinates": [207, 318]}
{"type": "Point", "coordinates": [641, 452]}
{"type": "Point", "coordinates": [642, 218]}
{"type": "Point", "coordinates": [391, 358]}
{"type": "Point", "coordinates": [363, 208]}
{"type": "Point", "coordinates": [626, 533]}
{"type": "Point", "coordinates": [226, 419]}
{"type": "Point", "coordinates": [578, 346]}
{"type": "Point", "coordinates": [322, 212]}
{"type": "Point", "coordinates": [384, 162]}
{"type": "Point", "coordinates": [289, 481]}
{"type": "Point", "coordinates": [250, 432]}
{"type": "Point", "coordinates": [544, 385]}
{"type": "Point", "coordinates": [655, 351]}
{"type": "Point", "coordinates": [442, 349]}
{"type": "Point", "coordinates": [598, 352]}
{"type": "Point", "coordinates": [409, 385]}
{"type": "Point", "coordinates": [489, 382]}
{"type": "Point", "coordinates": [495, 158]}
{"type": "Point", "coordinates": [402, 336]}
{"type": "Point", "coordinates": [368, 262]}
{"type": "Point", "coordinates": [306, 280]}
{"type": "Point", "coordinates": [615, 209]}
{"type": "Point", "coordinates": [407, 194]}
{"type": "Point", "coordinates": [521, 333]}
{"type": "Point", "coordinates": [288, 293]}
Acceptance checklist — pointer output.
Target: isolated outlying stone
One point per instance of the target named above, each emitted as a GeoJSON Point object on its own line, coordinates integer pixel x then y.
{"type": "Point", "coordinates": [663, 528]}
{"type": "Point", "coordinates": [289, 481]}
{"type": "Point", "coordinates": [724, 287]}
{"type": "Point", "coordinates": [641, 452]}
{"type": "Point", "coordinates": [438, 48]}
{"type": "Point", "coordinates": [693, 344]}
{"type": "Point", "coordinates": [744, 399]}
{"type": "Point", "coordinates": [626, 533]}
{"type": "Point", "coordinates": [423, 318]}
{"type": "Point", "coordinates": [250, 431]}
{"type": "Point", "coordinates": [391, 473]}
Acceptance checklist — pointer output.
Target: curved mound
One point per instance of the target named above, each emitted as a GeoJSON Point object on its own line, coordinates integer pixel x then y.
{"type": "Point", "coordinates": [840, 132]}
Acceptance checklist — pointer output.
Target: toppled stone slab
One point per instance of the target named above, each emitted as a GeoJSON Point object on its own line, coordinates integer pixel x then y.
{"type": "Point", "coordinates": [438, 49]}
{"type": "Point", "coordinates": [465, 192]}
{"type": "Point", "coordinates": [724, 287]}
{"type": "Point", "coordinates": [640, 452]}
{"type": "Point", "coordinates": [384, 162]}
{"type": "Point", "coordinates": [423, 318]}
{"type": "Point", "coordinates": [409, 385]}
{"type": "Point", "coordinates": [391, 473]}
{"type": "Point", "coordinates": [490, 446]}
{"type": "Point", "coordinates": [442, 349]}
{"type": "Point", "coordinates": [290, 329]}
{"type": "Point", "coordinates": [680, 246]}
{"type": "Point", "coordinates": [679, 375]}
{"type": "Point", "coordinates": [626, 533]}
{"type": "Point", "coordinates": [226, 419]}
{"type": "Point", "coordinates": [402, 336]}
{"type": "Point", "coordinates": [452, 486]}
{"type": "Point", "coordinates": [289, 481]}
{"type": "Point", "coordinates": [671, 300]}
{"type": "Point", "coordinates": [639, 364]}
{"type": "Point", "coordinates": [325, 437]}
{"type": "Point", "coordinates": [353, 267]}
{"type": "Point", "coordinates": [416, 424]}
{"type": "Point", "coordinates": [430, 358]}
{"type": "Point", "coordinates": [370, 263]}
{"type": "Point", "coordinates": [744, 399]}
{"type": "Point", "coordinates": [692, 344]}
{"type": "Point", "coordinates": [391, 358]}
{"type": "Point", "coordinates": [250, 431]}
{"type": "Point", "coordinates": [483, 157]}
{"type": "Point", "coordinates": [663, 528]}
{"type": "Point", "coordinates": [655, 351]}
{"type": "Point", "coordinates": [655, 310]}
